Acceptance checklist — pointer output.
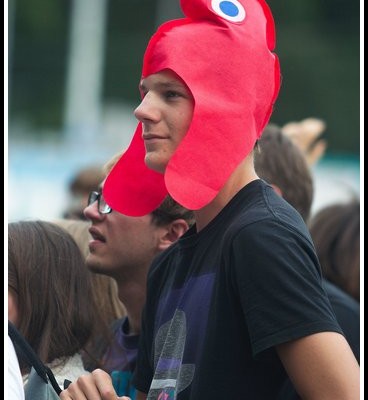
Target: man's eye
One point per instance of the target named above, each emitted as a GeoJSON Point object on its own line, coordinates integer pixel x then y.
{"type": "Point", "coordinates": [171, 93]}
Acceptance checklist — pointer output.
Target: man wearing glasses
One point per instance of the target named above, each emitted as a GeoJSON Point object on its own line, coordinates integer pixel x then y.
{"type": "Point", "coordinates": [123, 247]}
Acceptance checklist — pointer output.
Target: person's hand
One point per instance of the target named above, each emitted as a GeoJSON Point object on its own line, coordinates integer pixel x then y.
{"type": "Point", "coordinates": [306, 135]}
{"type": "Point", "coordinates": [95, 386]}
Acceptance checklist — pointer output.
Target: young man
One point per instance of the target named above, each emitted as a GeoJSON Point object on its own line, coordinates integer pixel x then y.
{"type": "Point", "coordinates": [236, 304]}
{"type": "Point", "coordinates": [123, 248]}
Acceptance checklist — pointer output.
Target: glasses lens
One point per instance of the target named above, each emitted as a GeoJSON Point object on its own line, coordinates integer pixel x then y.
{"type": "Point", "coordinates": [103, 207]}
{"type": "Point", "coordinates": [93, 196]}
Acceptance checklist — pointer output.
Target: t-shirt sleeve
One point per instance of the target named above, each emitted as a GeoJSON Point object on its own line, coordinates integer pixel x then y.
{"type": "Point", "coordinates": [277, 274]}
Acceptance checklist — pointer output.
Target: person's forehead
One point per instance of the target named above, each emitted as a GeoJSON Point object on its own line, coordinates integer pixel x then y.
{"type": "Point", "coordinates": [141, 223]}
{"type": "Point", "coordinates": [164, 77]}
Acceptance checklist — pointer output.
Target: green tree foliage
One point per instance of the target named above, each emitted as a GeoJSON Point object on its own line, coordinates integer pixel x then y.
{"type": "Point", "coordinates": [317, 43]}
{"type": "Point", "coordinates": [319, 48]}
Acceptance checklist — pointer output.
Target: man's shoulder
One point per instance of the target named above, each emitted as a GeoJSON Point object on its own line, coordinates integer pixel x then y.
{"type": "Point", "coordinates": [263, 206]}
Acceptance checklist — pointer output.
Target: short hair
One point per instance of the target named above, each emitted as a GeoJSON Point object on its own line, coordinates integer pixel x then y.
{"type": "Point", "coordinates": [82, 183]}
{"type": "Point", "coordinates": [169, 210]}
{"type": "Point", "coordinates": [53, 287]}
{"type": "Point", "coordinates": [86, 179]}
{"type": "Point", "coordinates": [280, 162]}
{"type": "Point", "coordinates": [335, 230]}
{"type": "Point", "coordinates": [108, 166]}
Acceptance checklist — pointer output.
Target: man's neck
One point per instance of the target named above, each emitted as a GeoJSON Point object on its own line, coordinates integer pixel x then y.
{"type": "Point", "coordinates": [241, 176]}
{"type": "Point", "coordinates": [133, 296]}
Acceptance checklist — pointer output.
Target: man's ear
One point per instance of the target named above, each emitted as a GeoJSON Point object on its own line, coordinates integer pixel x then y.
{"type": "Point", "coordinates": [276, 189]}
{"type": "Point", "coordinates": [173, 231]}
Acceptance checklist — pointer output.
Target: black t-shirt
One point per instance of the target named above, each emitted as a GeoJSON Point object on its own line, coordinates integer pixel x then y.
{"type": "Point", "coordinates": [218, 302]}
{"type": "Point", "coordinates": [347, 311]}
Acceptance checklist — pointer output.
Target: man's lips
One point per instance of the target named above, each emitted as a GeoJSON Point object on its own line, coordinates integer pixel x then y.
{"type": "Point", "coordinates": [151, 136]}
{"type": "Point", "coordinates": [96, 234]}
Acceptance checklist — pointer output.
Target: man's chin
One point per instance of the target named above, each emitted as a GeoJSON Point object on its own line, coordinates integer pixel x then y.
{"type": "Point", "coordinates": [153, 162]}
{"type": "Point", "coordinates": [94, 266]}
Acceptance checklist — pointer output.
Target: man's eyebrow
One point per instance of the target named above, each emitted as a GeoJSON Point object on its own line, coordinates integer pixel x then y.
{"type": "Point", "coordinates": [164, 85]}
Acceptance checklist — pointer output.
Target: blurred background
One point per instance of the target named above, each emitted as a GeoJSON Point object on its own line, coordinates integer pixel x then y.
{"type": "Point", "coordinates": [73, 73]}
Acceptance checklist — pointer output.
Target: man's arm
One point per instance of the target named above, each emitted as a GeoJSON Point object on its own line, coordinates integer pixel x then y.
{"type": "Point", "coordinates": [321, 367]}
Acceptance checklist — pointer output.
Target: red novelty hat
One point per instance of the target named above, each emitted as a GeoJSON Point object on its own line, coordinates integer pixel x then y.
{"type": "Point", "coordinates": [222, 50]}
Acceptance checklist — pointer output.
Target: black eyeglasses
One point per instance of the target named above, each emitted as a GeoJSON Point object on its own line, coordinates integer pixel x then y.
{"type": "Point", "coordinates": [103, 207]}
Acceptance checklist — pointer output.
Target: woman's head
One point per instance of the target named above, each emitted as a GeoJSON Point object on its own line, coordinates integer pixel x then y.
{"type": "Point", "coordinates": [52, 289]}
{"type": "Point", "coordinates": [335, 230]}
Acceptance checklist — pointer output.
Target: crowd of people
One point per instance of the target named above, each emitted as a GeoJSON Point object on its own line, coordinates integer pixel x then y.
{"type": "Point", "coordinates": [190, 265]}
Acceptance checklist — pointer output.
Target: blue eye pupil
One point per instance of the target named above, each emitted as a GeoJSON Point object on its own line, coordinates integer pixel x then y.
{"type": "Point", "coordinates": [229, 8]}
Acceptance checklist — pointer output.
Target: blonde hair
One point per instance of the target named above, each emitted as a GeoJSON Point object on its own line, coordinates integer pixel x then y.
{"type": "Point", "coordinates": [105, 295]}
{"type": "Point", "coordinates": [108, 166]}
